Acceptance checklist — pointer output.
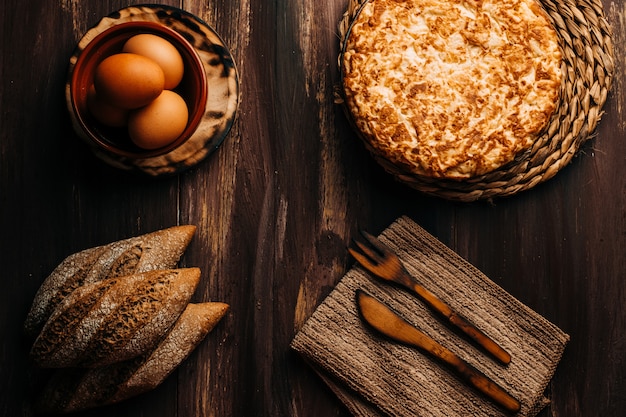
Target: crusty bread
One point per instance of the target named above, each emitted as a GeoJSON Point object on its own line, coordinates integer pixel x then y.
{"type": "Point", "coordinates": [157, 250]}
{"type": "Point", "coordinates": [197, 321]}
{"type": "Point", "coordinates": [75, 389]}
{"type": "Point", "coordinates": [114, 319]}
{"type": "Point", "coordinates": [451, 89]}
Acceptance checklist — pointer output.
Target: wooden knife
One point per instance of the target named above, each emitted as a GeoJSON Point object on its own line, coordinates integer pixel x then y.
{"type": "Point", "coordinates": [384, 320]}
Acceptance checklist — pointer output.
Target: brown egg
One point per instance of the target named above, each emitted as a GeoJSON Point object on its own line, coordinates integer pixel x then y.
{"type": "Point", "coordinates": [160, 122]}
{"type": "Point", "coordinates": [128, 81]}
{"type": "Point", "coordinates": [104, 112]}
{"type": "Point", "coordinates": [160, 51]}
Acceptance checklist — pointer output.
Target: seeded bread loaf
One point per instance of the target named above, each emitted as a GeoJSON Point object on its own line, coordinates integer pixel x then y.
{"type": "Point", "coordinates": [77, 389]}
{"type": "Point", "coordinates": [114, 319]}
{"type": "Point", "coordinates": [157, 250]}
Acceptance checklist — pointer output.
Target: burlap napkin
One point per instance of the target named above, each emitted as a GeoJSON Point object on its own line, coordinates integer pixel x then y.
{"type": "Point", "coordinates": [374, 376]}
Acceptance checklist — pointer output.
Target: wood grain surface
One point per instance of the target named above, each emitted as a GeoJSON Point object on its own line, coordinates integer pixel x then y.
{"type": "Point", "coordinates": [275, 208]}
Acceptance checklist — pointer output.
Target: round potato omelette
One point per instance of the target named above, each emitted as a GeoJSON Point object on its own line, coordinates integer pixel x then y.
{"type": "Point", "coordinates": [451, 89]}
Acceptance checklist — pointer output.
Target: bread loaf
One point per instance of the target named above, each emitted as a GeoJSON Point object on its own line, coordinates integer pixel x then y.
{"type": "Point", "coordinates": [157, 250]}
{"type": "Point", "coordinates": [114, 319]}
{"type": "Point", "coordinates": [76, 389]}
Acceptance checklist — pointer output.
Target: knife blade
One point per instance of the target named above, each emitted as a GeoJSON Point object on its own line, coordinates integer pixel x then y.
{"type": "Point", "coordinates": [380, 317]}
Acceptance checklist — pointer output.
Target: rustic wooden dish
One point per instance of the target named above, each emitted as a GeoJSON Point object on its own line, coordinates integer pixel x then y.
{"type": "Point", "coordinates": [588, 67]}
{"type": "Point", "coordinates": [222, 80]}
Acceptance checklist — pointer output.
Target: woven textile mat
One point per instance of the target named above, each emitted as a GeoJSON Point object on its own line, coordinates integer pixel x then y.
{"type": "Point", "coordinates": [587, 67]}
{"type": "Point", "coordinates": [374, 376]}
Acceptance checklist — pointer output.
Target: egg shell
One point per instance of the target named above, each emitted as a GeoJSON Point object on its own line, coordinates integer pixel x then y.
{"type": "Point", "coordinates": [160, 51]}
{"type": "Point", "coordinates": [128, 80]}
{"type": "Point", "coordinates": [160, 122]}
{"type": "Point", "coordinates": [104, 112]}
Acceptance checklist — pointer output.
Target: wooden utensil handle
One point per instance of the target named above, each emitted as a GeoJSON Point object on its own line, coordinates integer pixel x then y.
{"type": "Point", "coordinates": [479, 337]}
{"type": "Point", "coordinates": [485, 385]}
{"type": "Point", "coordinates": [462, 324]}
{"type": "Point", "coordinates": [411, 335]}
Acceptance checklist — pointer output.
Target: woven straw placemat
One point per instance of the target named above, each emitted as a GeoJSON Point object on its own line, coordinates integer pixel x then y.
{"type": "Point", "coordinates": [374, 376]}
{"type": "Point", "coordinates": [588, 67]}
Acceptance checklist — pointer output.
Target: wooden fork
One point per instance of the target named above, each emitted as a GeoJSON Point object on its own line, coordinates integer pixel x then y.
{"type": "Point", "coordinates": [378, 259]}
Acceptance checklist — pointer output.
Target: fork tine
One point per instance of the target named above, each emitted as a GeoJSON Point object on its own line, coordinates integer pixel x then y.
{"type": "Point", "coordinates": [376, 243]}
{"type": "Point", "coordinates": [360, 258]}
{"type": "Point", "coordinates": [367, 251]}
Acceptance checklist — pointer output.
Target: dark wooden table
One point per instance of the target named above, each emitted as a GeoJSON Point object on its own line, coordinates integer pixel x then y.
{"type": "Point", "coordinates": [276, 206]}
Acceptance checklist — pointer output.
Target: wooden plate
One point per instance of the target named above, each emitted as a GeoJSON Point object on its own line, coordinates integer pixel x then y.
{"type": "Point", "coordinates": [222, 85]}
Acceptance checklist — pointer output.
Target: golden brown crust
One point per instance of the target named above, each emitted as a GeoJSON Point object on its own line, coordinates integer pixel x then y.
{"type": "Point", "coordinates": [157, 250]}
{"type": "Point", "coordinates": [114, 319]}
{"type": "Point", "coordinates": [451, 89]}
{"type": "Point", "coordinates": [191, 328]}
{"type": "Point", "coordinates": [75, 389]}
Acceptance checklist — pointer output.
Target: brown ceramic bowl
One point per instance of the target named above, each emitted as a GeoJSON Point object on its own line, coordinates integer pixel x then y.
{"type": "Point", "coordinates": [116, 141]}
